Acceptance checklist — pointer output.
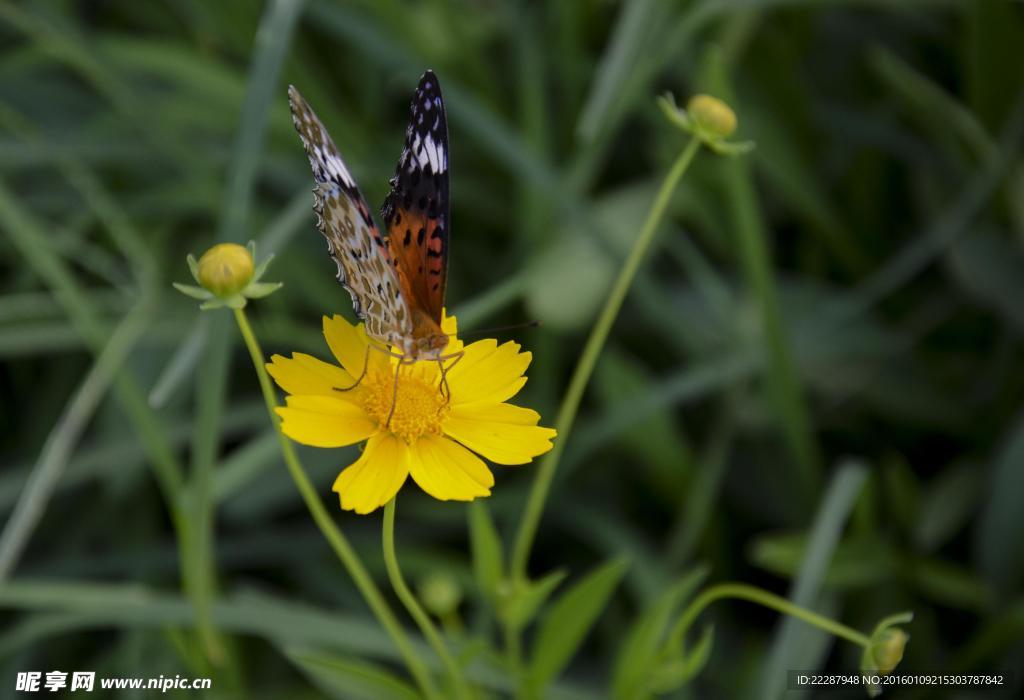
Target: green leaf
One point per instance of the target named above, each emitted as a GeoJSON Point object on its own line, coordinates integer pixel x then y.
{"type": "Point", "coordinates": [212, 304]}
{"type": "Point", "coordinates": [859, 560]}
{"type": "Point", "coordinates": [193, 266]}
{"type": "Point", "coordinates": [568, 297]}
{"type": "Point", "coordinates": [948, 503]}
{"type": "Point", "coordinates": [518, 603]}
{"type": "Point", "coordinates": [570, 618]}
{"type": "Point", "coordinates": [987, 266]}
{"type": "Point", "coordinates": [635, 660]}
{"type": "Point", "coordinates": [258, 290]}
{"type": "Point", "coordinates": [350, 678]}
{"type": "Point", "coordinates": [950, 584]}
{"type": "Point", "coordinates": [487, 550]}
{"type": "Point", "coordinates": [261, 269]}
{"type": "Point", "coordinates": [903, 492]}
{"type": "Point", "coordinates": [675, 114]}
{"type": "Point", "coordinates": [1001, 532]}
{"type": "Point", "coordinates": [193, 291]}
{"type": "Point", "coordinates": [731, 148]}
{"type": "Point", "coordinates": [660, 447]}
{"type": "Point", "coordinates": [677, 672]}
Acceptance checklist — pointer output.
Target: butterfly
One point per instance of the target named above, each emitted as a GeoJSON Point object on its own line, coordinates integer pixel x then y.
{"type": "Point", "coordinates": [397, 280]}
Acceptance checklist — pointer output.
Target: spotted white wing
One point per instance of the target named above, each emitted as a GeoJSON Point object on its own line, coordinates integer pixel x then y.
{"type": "Point", "coordinates": [353, 241]}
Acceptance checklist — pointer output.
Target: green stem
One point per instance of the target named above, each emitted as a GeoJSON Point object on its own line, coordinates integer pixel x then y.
{"type": "Point", "coordinates": [200, 506]}
{"type": "Point", "coordinates": [742, 591]}
{"type": "Point", "coordinates": [514, 657]}
{"type": "Point", "coordinates": [327, 526]}
{"type": "Point", "coordinates": [413, 605]}
{"type": "Point", "coordinates": [595, 343]}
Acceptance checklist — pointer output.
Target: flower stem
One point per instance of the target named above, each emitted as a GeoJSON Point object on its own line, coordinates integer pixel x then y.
{"type": "Point", "coordinates": [198, 494]}
{"type": "Point", "coordinates": [329, 528]}
{"type": "Point", "coordinates": [595, 343]}
{"type": "Point", "coordinates": [742, 591]}
{"type": "Point", "coordinates": [514, 657]}
{"type": "Point", "coordinates": [413, 605]}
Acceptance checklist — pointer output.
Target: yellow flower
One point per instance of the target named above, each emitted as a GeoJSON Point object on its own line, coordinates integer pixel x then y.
{"type": "Point", "coordinates": [432, 439]}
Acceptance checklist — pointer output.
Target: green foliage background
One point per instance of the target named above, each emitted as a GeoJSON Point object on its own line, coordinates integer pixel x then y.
{"type": "Point", "coordinates": [814, 385]}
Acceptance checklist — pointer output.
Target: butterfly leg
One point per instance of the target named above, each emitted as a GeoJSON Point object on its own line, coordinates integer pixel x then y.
{"type": "Point", "coordinates": [394, 390]}
{"type": "Point", "coordinates": [445, 390]}
{"type": "Point", "coordinates": [362, 375]}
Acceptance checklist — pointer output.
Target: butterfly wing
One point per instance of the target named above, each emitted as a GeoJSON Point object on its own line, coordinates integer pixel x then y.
{"type": "Point", "coordinates": [416, 212]}
{"type": "Point", "coordinates": [343, 217]}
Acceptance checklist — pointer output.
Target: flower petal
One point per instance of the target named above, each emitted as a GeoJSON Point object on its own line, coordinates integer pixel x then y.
{"type": "Point", "coordinates": [503, 433]}
{"type": "Point", "coordinates": [351, 346]}
{"type": "Point", "coordinates": [305, 374]}
{"type": "Point", "coordinates": [450, 326]}
{"type": "Point", "coordinates": [448, 471]}
{"type": "Point", "coordinates": [488, 372]}
{"type": "Point", "coordinates": [374, 478]}
{"type": "Point", "coordinates": [325, 421]}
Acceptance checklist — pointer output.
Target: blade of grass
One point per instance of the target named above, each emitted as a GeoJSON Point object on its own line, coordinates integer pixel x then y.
{"type": "Point", "coordinates": [636, 23]}
{"type": "Point", "coordinates": [296, 216]}
{"type": "Point", "coordinates": [28, 236]}
{"type": "Point", "coordinates": [182, 363]}
{"type": "Point", "coordinates": [946, 227]}
{"type": "Point", "coordinates": [1002, 632]}
{"type": "Point", "coordinates": [64, 437]}
{"type": "Point", "coordinates": [273, 38]}
{"type": "Point", "coordinates": [122, 453]}
{"type": "Point", "coordinates": [1000, 534]}
{"type": "Point", "coordinates": [704, 490]}
{"type": "Point", "coordinates": [245, 464]}
{"type": "Point", "coordinates": [489, 302]}
{"type": "Point", "coordinates": [53, 35]}
{"type": "Point", "coordinates": [532, 78]}
{"type": "Point", "coordinates": [783, 381]}
{"type": "Point", "coordinates": [63, 46]}
{"type": "Point", "coordinates": [932, 106]}
{"type": "Point", "coordinates": [29, 306]}
{"type": "Point", "coordinates": [825, 531]}
{"type": "Point", "coordinates": [683, 386]}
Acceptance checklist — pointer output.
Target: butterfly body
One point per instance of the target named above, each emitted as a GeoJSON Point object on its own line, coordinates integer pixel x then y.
{"type": "Point", "coordinates": [397, 280]}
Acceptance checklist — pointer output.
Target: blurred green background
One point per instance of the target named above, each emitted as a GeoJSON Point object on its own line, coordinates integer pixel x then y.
{"type": "Point", "coordinates": [814, 385]}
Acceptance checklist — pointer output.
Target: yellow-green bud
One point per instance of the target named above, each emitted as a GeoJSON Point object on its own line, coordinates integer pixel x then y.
{"type": "Point", "coordinates": [440, 593]}
{"type": "Point", "coordinates": [887, 649]}
{"type": "Point", "coordinates": [712, 115]}
{"type": "Point", "coordinates": [226, 269]}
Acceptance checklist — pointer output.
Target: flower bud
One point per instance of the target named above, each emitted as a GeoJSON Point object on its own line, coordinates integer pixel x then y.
{"type": "Point", "coordinates": [225, 269]}
{"type": "Point", "coordinates": [440, 593]}
{"type": "Point", "coordinates": [887, 649]}
{"type": "Point", "coordinates": [712, 115]}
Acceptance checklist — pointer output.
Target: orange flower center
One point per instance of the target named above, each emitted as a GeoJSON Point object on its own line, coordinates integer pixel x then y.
{"type": "Point", "coordinates": [419, 407]}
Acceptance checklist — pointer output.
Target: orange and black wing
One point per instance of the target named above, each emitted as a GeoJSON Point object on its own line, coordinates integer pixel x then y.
{"type": "Point", "coordinates": [416, 212]}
